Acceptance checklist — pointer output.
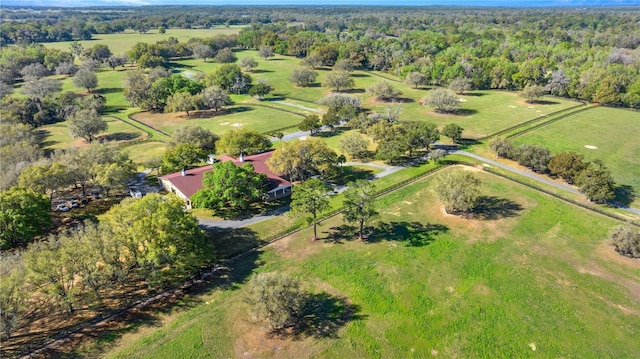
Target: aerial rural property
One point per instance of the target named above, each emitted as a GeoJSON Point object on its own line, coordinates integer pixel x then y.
{"type": "Point", "coordinates": [297, 179]}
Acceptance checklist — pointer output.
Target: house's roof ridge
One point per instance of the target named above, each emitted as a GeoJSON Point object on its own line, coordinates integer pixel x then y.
{"type": "Point", "coordinates": [191, 181]}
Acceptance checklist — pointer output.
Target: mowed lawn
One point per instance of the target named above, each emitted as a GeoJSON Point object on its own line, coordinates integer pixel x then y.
{"type": "Point", "coordinates": [532, 277]}
{"type": "Point", "coordinates": [260, 119]}
{"type": "Point", "coordinates": [482, 112]}
{"type": "Point", "coordinates": [485, 112]}
{"type": "Point", "coordinates": [120, 43]}
{"type": "Point", "coordinates": [615, 133]}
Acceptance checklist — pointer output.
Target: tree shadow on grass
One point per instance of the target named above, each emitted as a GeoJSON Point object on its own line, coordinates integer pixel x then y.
{"type": "Point", "coordinates": [106, 90]}
{"type": "Point", "coordinates": [544, 102]}
{"type": "Point", "coordinates": [465, 112]}
{"type": "Point", "coordinates": [624, 195]}
{"type": "Point", "coordinates": [119, 136]}
{"type": "Point", "coordinates": [415, 234]}
{"type": "Point", "coordinates": [42, 136]}
{"type": "Point", "coordinates": [350, 91]}
{"type": "Point", "coordinates": [324, 315]}
{"type": "Point", "coordinates": [340, 234]}
{"type": "Point", "coordinates": [178, 65]}
{"type": "Point", "coordinates": [346, 174]}
{"type": "Point", "coordinates": [337, 131]}
{"type": "Point", "coordinates": [274, 207]}
{"type": "Point", "coordinates": [274, 98]}
{"type": "Point", "coordinates": [112, 109]}
{"type": "Point", "coordinates": [493, 208]}
{"type": "Point", "coordinates": [465, 143]}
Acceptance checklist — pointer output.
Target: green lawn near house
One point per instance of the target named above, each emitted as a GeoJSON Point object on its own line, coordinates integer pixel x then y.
{"type": "Point", "coordinates": [499, 284]}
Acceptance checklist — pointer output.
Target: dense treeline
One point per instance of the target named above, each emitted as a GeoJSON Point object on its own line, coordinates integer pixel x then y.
{"type": "Point", "coordinates": [84, 267]}
{"type": "Point", "coordinates": [20, 25]}
{"type": "Point", "coordinates": [567, 57]}
{"type": "Point", "coordinates": [586, 54]}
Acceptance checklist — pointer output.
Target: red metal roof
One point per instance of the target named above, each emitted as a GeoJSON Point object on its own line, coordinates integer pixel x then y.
{"type": "Point", "coordinates": [192, 181]}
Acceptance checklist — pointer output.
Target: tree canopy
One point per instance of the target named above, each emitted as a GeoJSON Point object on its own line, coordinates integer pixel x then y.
{"type": "Point", "coordinates": [229, 186]}
{"type": "Point", "coordinates": [276, 298]}
{"type": "Point", "coordinates": [302, 159]}
{"type": "Point", "coordinates": [458, 190]}
{"type": "Point", "coordinates": [85, 79]}
{"type": "Point", "coordinates": [309, 200]}
{"type": "Point", "coordinates": [201, 137]}
{"type": "Point", "coordinates": [442, 100]}
{"type": "Point", "coordinates": [338, 80]}
{"type": "Point", "coordinates": [158, 235]}
{"type": "Point", "coordinates": [23, 215]}
{"type": "Point", "coordinates": [243, 141]}
{"type": "Point", "coordinates": [359, 204]}
{"type": "Point", "coordinates": [86, 123]}
{"type": "Point", "coordinates": [182, 156]}
{"type": "Point", "coordinates": [229, 77]}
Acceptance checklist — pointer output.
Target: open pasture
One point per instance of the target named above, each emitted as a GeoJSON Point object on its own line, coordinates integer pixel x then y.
{"type": "Point", "coordinates": [613, 132]}
{"type": "Point", "coordinates": [56, 136]}
{"type": "Point", "coordinates": [261, 119]}
{"type": "Point", "coordinates": [120, 43]}
{"type": "Point", "coordinates": [483, 112]}
{"type": "Point", "coordinates": [530, 276]}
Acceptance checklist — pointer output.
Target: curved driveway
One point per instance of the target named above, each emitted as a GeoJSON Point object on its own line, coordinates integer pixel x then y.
{"type": "Point", "coordinates": [562, 186]}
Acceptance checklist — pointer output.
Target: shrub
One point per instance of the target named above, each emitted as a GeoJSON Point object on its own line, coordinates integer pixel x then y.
{"type": "Point", "coordinates": [626, 241]}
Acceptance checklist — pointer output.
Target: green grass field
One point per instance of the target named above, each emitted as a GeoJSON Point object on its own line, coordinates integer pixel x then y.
{"type": "Point", "coordinates": [260, 119]}
{"type": "Point", "coordinates": [614, 132]}
{"type": "Point", "coordinates": [482, 112]}
{"type": "Point", "coordinates": [120, 43]}
{"type": "Point", "coordinates": [531, 278]}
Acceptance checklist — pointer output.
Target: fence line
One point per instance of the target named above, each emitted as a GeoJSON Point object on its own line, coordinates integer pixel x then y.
{"type": "Point", "coordinates": [275, 108]}
{"type": "Point", "coordinates": [545, 123]}
{"type": "Point", "coordinates": [201, 277]}
{"type": "Point", "coordinates": [528, 122]}
{"type": "Point", "coordinates": [555, 195]}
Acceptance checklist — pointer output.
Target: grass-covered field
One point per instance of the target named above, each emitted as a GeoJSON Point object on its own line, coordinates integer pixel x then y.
{"type": "Point", "coordinates": [531, 277]}
{"type": "Point", "coordinates": [482, 112]}
{"type": "Point", "coordinates": [261, 119]}
{"type": "Point", "coordinates": [120, 43]}
{"type": "Point", "coordinates": [614, 132]}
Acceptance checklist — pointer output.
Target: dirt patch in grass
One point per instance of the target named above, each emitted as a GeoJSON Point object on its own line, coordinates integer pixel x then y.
{"type": "Point", "coordinates": [291, 248]}
{"type": "Point", "coordinates": [606, 252]}
{"type": "Point", "coordinates": [609, 254]}
{"type": "Point", "coordinates": [159, 120]}
{"type": "Point", "coordinates": [476, 230]}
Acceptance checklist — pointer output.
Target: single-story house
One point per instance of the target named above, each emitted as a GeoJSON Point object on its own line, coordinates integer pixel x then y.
{"type": "Point", "coordinates": [186, 183]}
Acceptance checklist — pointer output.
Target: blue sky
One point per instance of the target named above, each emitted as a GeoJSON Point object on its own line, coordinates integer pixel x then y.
{"type": "Point", "coordinates": [519, 3]}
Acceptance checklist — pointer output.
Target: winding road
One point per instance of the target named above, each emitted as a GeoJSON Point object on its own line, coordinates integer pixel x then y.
{"type": "Point", "coordinates": [561, 186]}
{"type": "Point", "coordinates": [210, 224]}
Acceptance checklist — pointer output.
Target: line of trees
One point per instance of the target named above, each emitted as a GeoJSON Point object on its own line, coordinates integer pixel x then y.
{"type": "Point", "coordinates": [527, 61]}
{"type": "Point", "coordinates": [593, 178]}
{"type": "Point", "coordinates": [588, 55]}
